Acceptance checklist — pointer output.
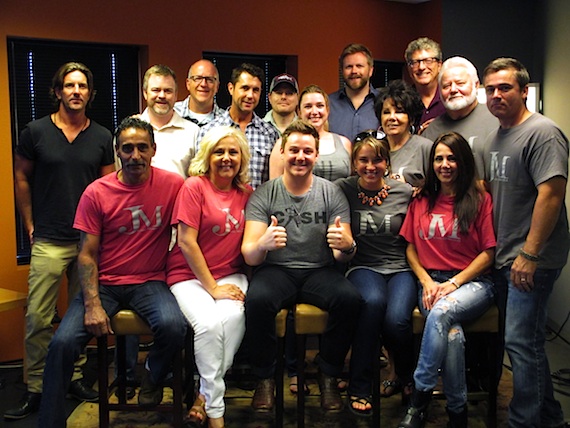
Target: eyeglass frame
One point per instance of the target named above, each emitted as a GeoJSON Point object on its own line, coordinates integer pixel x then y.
{"type": "Point", "coordinates": [429, 61]}
{"type": "Point", "coordinates": [374, 133]}
{"type": "Point", "coordinates": [210, 80]}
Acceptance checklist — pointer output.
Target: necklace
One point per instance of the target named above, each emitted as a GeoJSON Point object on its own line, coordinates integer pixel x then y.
{"type": "Point", "coordinates": [292, 211]}
{"type": "Point", "coordinates": [377, 199]}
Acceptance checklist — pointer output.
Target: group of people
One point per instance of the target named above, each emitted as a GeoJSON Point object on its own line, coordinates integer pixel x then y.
{"type": "Point", "coordinates": [365, 202]}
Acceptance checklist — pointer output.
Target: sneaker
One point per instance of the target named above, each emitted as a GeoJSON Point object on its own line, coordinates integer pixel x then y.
{"type": "Point", "coordinates": [150, 394]}
{"type": "Point", "coordinates": [30, 403]}
{"type": "Point", "coordinates": [79, 391]}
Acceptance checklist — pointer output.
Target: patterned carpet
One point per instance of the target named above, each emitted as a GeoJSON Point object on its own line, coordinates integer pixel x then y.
{"type": "Point", "coordinates": [239, 413]}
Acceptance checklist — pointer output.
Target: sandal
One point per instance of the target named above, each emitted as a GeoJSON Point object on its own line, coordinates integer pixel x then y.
{"type": "Point", "coordinates": [360, 400]}
{"type": "Point", "coordinates": [196, 417]}
{"type": "Point", "coordinates": [390, 387]}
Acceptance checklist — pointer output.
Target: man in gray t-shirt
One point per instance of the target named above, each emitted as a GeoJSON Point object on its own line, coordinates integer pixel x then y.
{"type": "Point", "coordinates": [458, 84]}
{"type": "Point", "coordinates": [297, 225]}
{"type": "Point", "coordinates": [526, 168]}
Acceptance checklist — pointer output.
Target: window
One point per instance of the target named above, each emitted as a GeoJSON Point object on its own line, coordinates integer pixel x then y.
{"type": "Point", "coordinates": [32, 64]}
{"type": "Point", "coordinates": [272, 65]}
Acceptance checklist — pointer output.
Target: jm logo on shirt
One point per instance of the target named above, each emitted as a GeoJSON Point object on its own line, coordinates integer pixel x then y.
{"type": "Point", "coordinates": [140, 221]}
{"type": "Point", "coordinates": [437, 229]}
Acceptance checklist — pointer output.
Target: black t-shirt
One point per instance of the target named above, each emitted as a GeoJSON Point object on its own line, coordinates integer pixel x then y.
{"type": "Point", "coordinates": [62, 171]}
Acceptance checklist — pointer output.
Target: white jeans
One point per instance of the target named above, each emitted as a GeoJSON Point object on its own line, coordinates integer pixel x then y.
{"type": "Point", "coordinates": [219, 326]}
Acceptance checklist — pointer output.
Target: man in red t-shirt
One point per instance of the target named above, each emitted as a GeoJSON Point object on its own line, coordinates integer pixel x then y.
{"type": "Point", "coordinates": [125, 232]}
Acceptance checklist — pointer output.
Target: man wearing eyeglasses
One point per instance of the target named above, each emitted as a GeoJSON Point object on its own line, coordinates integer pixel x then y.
{"type": "Point", "coordinates": [423, 57]}
{"type": "Point", "coordinates": [175, 137]}
{"type": "Point", "coordinates": [202, 83]}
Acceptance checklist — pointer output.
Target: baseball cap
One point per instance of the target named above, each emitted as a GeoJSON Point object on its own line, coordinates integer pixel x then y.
{"type": "Point", "coordinates": [284, 78]}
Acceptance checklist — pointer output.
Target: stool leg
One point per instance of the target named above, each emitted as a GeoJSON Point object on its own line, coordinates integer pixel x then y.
{"type": "Point", "coordinates": [376, 387]}
{"type": "Point", "coordinates": [279, 399]}
{"type": "Point", "coordinates": [492, 405]}
{"type": "Point", "coordinates": [120, 341]}
{"type": "Point", "coordinates": [103, 381]}
{"type": "Point", "coordinates": [301, 380]}
{"type": "Point", "coordinates": [189, 367]}
{"type": "Point", "coordinates": [177, 391]}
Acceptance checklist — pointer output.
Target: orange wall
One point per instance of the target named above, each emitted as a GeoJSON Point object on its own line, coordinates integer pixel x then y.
{"type": "Point", "coordinates": [176, 34]}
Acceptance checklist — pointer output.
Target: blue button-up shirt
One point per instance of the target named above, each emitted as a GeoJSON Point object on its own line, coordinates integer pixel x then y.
{"type": "Point", "coordinates": [344, 119]}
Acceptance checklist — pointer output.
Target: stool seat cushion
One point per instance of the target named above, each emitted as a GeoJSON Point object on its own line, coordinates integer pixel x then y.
{"type": "Point", "coordinates": [486, 323]}
{"type": "Point", "coordinates": [309, 319]}
{"type": "Point", "coordinates": [128, 322]}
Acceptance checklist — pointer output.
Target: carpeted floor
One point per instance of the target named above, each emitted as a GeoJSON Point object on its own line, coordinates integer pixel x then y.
{"type": "Point", "coordinates": [239, 413]}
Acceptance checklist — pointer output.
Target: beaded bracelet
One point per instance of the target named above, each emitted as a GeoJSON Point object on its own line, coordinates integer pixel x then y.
{"type": "Point", "coordinates": [528, 256]}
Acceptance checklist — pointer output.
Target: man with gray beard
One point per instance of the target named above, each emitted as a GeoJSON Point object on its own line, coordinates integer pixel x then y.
{"type": "Point", "coordinates": [458, 84]}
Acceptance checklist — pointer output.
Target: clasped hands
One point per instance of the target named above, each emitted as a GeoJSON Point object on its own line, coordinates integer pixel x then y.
{"type": "Point", "coordinates": [434, 291]}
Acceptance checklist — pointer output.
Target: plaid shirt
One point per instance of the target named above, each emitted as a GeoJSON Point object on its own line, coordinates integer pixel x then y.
{"type": "Point", "coordinates": [261, 137]}
{"type": "Point", "coordinates": [181, 107]}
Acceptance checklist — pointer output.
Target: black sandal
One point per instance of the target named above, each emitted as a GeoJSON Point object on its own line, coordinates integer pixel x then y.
{"type": "Point", "coordinates": [391, 387]}
{"type": "Point", "coordinates": [360, 400]}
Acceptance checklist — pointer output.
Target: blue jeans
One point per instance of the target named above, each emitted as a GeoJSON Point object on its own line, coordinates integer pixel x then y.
{"type": "Point", "coordinates": [273, 288]}
{"type": "Point", "coordinates": [443, 341]}
{"type": "Point", "coordinates": [387, 310]}
{"type": "Point", "coordinates": [533, 404]}
{"type": "Point", "coordinates": [152, 300]}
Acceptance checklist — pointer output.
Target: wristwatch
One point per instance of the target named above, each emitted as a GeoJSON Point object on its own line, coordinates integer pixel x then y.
{"type": "Point", "coordinates": [351, 249]}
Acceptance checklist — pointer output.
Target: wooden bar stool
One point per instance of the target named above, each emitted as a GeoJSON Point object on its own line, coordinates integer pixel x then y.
{"type": "Point", "coordinates": [486, 325]}
{"type": "Point", "coordinates": [127, 322]}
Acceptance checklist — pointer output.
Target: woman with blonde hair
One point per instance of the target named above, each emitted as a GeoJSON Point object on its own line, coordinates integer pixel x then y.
{"type": "Point", "coordinates": [205, 269]}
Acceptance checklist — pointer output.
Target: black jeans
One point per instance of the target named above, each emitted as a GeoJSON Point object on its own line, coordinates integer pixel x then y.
{"type": "Point", "coordinates": [273, 288]}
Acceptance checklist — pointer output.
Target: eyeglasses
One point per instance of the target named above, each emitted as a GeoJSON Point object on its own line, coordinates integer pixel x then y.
{"type": "Point", "coordinates": [370, 133]}
{"type": "Point", "coordinates": [415, 63]}
{"type": "Point", "coordinates": [210, 80]}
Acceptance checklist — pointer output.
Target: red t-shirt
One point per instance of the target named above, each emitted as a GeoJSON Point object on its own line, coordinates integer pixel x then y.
{"type": "Point", "coordinates": [436, 235]}
{"type": "Point", "coordinates": [219, 218]}
{"type": "Point", "coordinates": [132, 222]}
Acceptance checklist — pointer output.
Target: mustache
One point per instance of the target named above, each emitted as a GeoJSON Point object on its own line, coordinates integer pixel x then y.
{"type": "Point", "coordinates": [133, 163]}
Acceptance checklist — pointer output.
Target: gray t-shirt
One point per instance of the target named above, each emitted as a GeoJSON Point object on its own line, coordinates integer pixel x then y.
{"type": "Point", "coordinates": [516, 161]}
{"type": "Point", "coordinates": [475, 127]}
{"type": "Point", "coordinates": [376, 228]}
{"type": "Point", "coordinates": [306, 219]}
{"type": "Point", "coordinates": [334, 165]}
{"type": "Point", "coordinates": [412, 159]}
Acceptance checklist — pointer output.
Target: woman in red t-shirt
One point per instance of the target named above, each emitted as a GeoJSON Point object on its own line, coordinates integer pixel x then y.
{"type": "Point", "coordinates": [451, 246]}
{"type": "Point", "coordinates": [206, 269]}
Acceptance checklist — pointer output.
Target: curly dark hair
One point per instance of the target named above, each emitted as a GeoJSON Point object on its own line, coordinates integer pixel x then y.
{"type": "Point", "coordinates": [404, 96]}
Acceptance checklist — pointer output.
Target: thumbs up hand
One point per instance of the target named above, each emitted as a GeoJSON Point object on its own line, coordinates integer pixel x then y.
{"type": "Point", "coordinates": [337, 237]}
{"type": "Point", "coordinates": [274, 237]}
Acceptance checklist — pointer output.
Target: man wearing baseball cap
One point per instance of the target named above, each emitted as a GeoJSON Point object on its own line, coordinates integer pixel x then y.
{"type": "Point", "coordinates": [284, 98]}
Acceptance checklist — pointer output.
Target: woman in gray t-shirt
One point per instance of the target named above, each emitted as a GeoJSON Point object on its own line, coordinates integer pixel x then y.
{"type": "Point", "coordinates": [379, 270]}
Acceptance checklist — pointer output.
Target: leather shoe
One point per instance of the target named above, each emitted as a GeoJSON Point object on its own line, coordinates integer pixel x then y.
{"type": "Point", "coordinates": [264, 396]}
{"type": "Point", "coordinates": [79, 391]}
{"type": "Point", "coordinates": [330, 395]}
{"type": "Point", "coordinates": [30, 403]}
{"type": "Point", "coordinates": [150, 394]}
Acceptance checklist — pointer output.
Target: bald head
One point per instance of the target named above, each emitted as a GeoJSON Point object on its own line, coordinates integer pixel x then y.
{"type": "Point", "coordinates": [202, 83]}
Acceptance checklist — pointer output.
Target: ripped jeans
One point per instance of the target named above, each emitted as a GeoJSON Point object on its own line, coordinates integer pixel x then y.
{"type": "Point", "coordinates": [443, 341]}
